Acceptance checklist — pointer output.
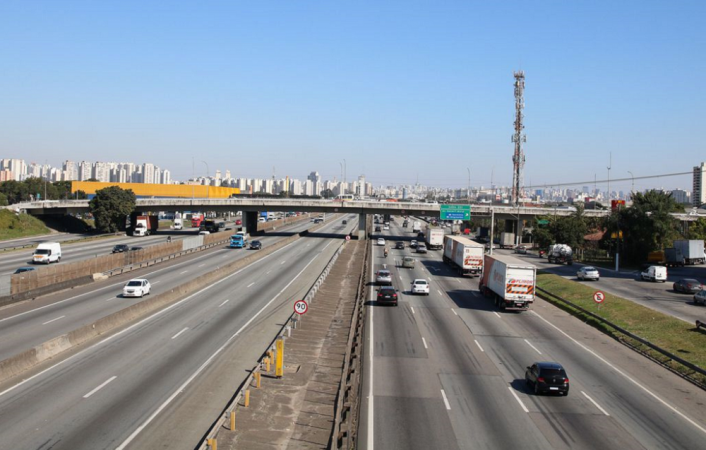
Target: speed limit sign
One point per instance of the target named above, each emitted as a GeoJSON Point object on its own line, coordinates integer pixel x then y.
{"type": "Point", "coordinates": [598, 297]}
{"type": "Point", "coordinates": [300, 307]}
{"type": "Point", "coordinates": [348, 238]}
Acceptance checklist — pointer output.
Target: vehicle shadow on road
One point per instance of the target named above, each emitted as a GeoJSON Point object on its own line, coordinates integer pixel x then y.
{"type": "Point", "coordinates": [520, 385]}
{"type": "Point", "coordinates": [467, 299]}
{"type": "Point", "coordinates": [439, 268]}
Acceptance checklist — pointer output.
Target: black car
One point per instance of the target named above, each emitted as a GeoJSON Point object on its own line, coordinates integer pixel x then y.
{"type": "Point", "coordinates": [547, 377]}
{"type": "Point", "coordinates": [399, 245]}
{"type": "Point", "coordinates": [377, 229]}
{"type": "Point", "coordinates": [688, 286]}
{"type": "Point", "coordinates": [345, 222]}
{"type": "Point", "coordinates": [25, 269]}
{"type": "Point", "coordinates": [256, 245]}
{"type": "Point", "coordinates": [120, 248]}
{"type": "Point", "coordinates": [387, 295]}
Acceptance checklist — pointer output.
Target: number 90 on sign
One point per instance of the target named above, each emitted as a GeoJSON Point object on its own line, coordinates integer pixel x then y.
{"type": "Point", "coordinates": [300, 307]}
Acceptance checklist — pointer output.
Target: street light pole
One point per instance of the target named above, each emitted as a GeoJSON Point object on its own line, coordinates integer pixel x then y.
{"type": "Point", "coordinates": [469, 185]}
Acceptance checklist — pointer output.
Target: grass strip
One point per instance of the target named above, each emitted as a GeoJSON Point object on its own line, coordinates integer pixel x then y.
{"type": "Point", "coordinates": [13, 226]}
{"type": "Point", "coordinates": [671, 334]}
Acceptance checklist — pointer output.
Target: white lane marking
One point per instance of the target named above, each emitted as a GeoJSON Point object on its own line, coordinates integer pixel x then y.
{"type": "Point", "coordinates": [653, 395]}
{"type": "Point", "coordinates": [371, 398]}
{"type": "Point", "coordinates": [224, 256]}
{"type": "Point", "coordinates": [179, 333]}
{"type": "Point", "coordinates": [111, 298]}
{"type": "Point", "coordinates": [446, 401]}
{"type": "Point", "coordinates": [595, 404]}
{"type": "Point", "coordinates": [478, 344]}
{"type": "Point", "coordinates": [101, 386]}
{"type": "Point", "coordinates": [53, 320]}
{"type": "Point", "coordinates": [158, 281]}
{"type": "Point", "coordinates": [454, 311]}
{"type": "Point", "coordinates": [412, 308]}
{"type": "Point", "coordinates": [250, 284]}
{"type": "Point", "coordinates": [201, 265]}
{"type": "Point", "coordinates": [524, 408]}
{"type": "Point", "coordinates": [182, 273]}
{"type": "Point", "coordinates": [497, 314]}
{"type": "Point", "coordinates": [226, 301]}
{"type": "Point", "coordinates": [205, 364]}
{"type": "Point", "coordinates": [268, 272]}
{"type": "Point", "coordinates": [282, 262]}
{"type": "Point", "coordinates": [457, 280]}
{"type": "Point", "coordinates": [439, 292]}
{"type": "Point", "coordinates": [424, 341]}
{"type": "Point", "coordinates": [135, 325]}
{"type": "Point", "coordinates": [535, 348]}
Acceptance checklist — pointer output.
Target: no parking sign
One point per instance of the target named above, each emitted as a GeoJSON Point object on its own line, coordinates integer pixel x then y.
{"type": "Point", "coordinates": [598, 297]}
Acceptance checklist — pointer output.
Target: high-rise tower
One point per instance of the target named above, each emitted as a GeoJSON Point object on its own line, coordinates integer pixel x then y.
{"type": "Point", "coordinates": [518, 158]}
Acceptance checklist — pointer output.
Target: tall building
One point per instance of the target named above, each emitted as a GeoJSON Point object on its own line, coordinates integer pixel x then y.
{"type": "Point", "coordinates": [70, 171]}
{"type": "Point", "coordinates": [166, 177]}
{"type": "Point", "coordinates": [699, 193]}
{"type": "Point", "coordinates": [148, 173]}
{"type": "Point", "coordinates": [681, 196]}
{"type": "Point", "coordinates": [314, 177]}
{"type": "Point", "coordinates": [85, 171]}
{"type": "Point", "coordinates": [101, 171]}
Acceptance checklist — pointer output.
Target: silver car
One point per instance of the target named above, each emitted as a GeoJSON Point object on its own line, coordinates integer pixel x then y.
{"type": "Point", "coordinates": [383, 277]}
{"type": "Point", "coordinates": [588, 273]}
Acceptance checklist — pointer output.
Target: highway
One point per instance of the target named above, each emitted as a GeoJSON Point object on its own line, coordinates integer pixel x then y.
{"type": "Point", "coordinates": [27, 324]}
{"type": "Point", "coordinates": [162, 381]}
{"type": "Point", "coordinates": [447, 371]}
{"type": "Point", "coordinates": [658, 296]}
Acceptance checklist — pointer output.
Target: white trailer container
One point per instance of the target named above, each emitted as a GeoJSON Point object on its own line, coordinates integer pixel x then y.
{"type": "Point", "coordinates": [509, 281]}
{"type": "Point", "coordinates": [507, 240]}
{"type": "Point", "coordinates": [434, 237]}
{"type": "Point", "coordinates": [464, 254]}
{"type": "Point", "coordinates": [692, 250]}
{"type": "Point", "coordinates": [416, 226]}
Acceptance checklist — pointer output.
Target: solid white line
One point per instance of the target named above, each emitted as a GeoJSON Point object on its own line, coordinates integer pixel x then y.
{"type": "Point", "coordinates": [424, 341]}
{"type": "Point", "coordinates": [412, 308]}
{"type": "Point", "coordinates": [182, 273]}
{"type": "Point", "coordinates": [282, 262]}
{"type": "Point", "coordinates": [595, 404]}
{"type": "Point", "coordinates": [100, 387]}
{"type": "Point", "coordinates": [653, 395]}
{"type": "Point", "coordinates": [158, 281]}
{"type": "Point", "coordinates": [481, 348]}
{"type": "Point", "coordinates": [50, 321]}
{"type": "Point", "coordinates": [535, 348]}
{"type": "Point", "coordinates": [227, 300]}
{"type": "Point", "coordinates": [250, 284]}
{"type": "Point", "coordinates": [268, 272]}
{"type": "Point", "coordinates": [181, 388]}
{"type": "Point", "coordinates": [446, 401]}
{"type": "Point", "coordinates": [439, 292]}
{"type": "Point", "coordinates": [518, 399]}
{"type": "Point", "coordinates": [371, 398]}
{"type": "Point", "coordinates": [177, 335]}
{"type": "Point", "coordinates": [111, 298]}
{"type": "Point", "coordinates": [497, 314]}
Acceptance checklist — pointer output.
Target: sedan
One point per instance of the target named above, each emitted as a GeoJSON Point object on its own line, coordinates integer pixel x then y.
{"type": "Point", "coordinates": [256, 245]}
{"type": "Point", "coordinates": [383, 277]}
{"type": "Point", "coordinates": [687, 286]}
{"type": "Point", "coordinates": [547, 377]}
{"type": "Point", "coordinates": [381, 241]}
{"type": "Point", "coordinates": [521, 250]}
{"type": "Point", "coordinates": [413, 244]}
{"type": "Point", "coordinates": [120, 248]}
{"type": "Point", "coordinates": [700, 298]}
{"type": "Point", "coordinates": [399, 245]}
{"type": "Point", "coordinates": [588, 273]}
{"type": "Point", "coordinates": [238, 222]}
{"type": "Point", "coordinates": [421, 248]}
{"type": "Point", "coordinates": [138, 287]}
{"type": "Point", "coordinates": [25, 269]}
{"type": "Point", "coordinates": [420, 286]}
{"type": "Point", "coordinates": [387, 295]}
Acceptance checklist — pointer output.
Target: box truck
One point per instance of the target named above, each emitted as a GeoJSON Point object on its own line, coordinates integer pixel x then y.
{"type": "Point", "coordinates": [692, 250]}
{"type": "Point", "coordinates": [434, 237]}
{"type": "Point", "coordinates": [509, 281]}
{"type": "Point", "coordinates": [464, 254]}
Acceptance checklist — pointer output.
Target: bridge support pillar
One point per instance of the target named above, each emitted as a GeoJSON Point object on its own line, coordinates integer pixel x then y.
{"type": "Point", "coordinates": [362, 226]}
{"type": "Point", "coordinates": [250, 222]}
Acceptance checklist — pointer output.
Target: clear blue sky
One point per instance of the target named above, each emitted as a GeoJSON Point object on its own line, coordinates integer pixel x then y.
{"type": "Point", "coordinates": [399, 89]}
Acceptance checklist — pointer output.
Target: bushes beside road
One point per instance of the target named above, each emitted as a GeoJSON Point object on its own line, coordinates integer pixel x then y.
{"type": "Point", "coordinates": [20, 225]}
{"type": "Point", "coordinates": [674, 335]}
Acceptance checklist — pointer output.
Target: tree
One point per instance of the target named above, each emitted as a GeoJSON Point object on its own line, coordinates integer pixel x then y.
{"type": "Point", "coordinates": [327, 193]}
{"type": "Point", "coordinates": [110, 207]}
{"type": "Point", "coordinates": [568, 230]}
{"type": "Point", "coordinates": [697, 230]}
{"type": "Point", "coordinates": [3, 199]}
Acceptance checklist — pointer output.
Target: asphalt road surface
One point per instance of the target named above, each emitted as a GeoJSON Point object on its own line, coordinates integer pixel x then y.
{"type": "Point", "coordinates": [447, 371]}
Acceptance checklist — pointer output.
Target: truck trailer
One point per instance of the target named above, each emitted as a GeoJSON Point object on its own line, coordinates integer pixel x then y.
{"type": "Point", "coordinates": [507, 240]}
{"type": "Point", "coordinates": [434, 237]}
{"type": "Point", "coordinates": [416, 226]}
{"type": "Point", "coordinates": [509, 281]}
{"type": "Point", "coordinates": [692, 250]}
{"type": "Point", "coordinates": [464, 254]}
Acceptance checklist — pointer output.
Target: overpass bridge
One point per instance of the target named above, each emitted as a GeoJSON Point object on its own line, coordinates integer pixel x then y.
{"type": "Point", "coordinates": [252, 206]}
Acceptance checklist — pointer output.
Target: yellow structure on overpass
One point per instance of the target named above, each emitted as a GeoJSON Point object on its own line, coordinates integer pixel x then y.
{"type": "Point", "coordinates": [143, 190]}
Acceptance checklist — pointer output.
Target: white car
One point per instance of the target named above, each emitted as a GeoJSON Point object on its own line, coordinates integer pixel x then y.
{"type": "Point", "coordinates": [386, 227]}
{"type": "Point", "coordinates": [420, 286]}
{"type": "Point", "coordinates": [381, 241]}
{"type": "Point", "coordinates": [203, 233]}
{"type": "Point", "coordinates": [138, 287]}
{"type": "Point", "coordinates": [588, 273]}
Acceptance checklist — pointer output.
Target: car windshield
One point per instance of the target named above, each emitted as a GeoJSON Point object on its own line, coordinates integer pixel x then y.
{"type": "Point", "coordinates": [42, 251]}
{"type": "Point", "coordinates": [255, 242]}
{"type": "Point", "coordinates": [134, 283]}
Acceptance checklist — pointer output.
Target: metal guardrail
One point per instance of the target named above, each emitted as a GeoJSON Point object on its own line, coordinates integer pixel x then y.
{"type": "Point", "coordinates": [622, 330]}
{"type": "Point", "coordinates": [289, 324]}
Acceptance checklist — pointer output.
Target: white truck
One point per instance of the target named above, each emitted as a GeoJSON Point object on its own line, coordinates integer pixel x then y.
{"type": "Point", "coordinates": [47, 253]}
{"type": "Point", "coordinates": [434, 237]}
{"type": "Point", "coordinates": [178, 223]}
{"type": "Point", "coordinates": [416, 226]}
{"type": "Point", "coordinates": [509, 281]}
{"type": "Point", "coordinates": [464, 254]}
{"type": "Point", "coordinates": [692, 250]}
{"type": "Point", "coordinates": [507, 240]}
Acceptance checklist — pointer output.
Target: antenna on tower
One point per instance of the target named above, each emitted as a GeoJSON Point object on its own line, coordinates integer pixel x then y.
{"type": "Point", "coordinates": [518, 158]}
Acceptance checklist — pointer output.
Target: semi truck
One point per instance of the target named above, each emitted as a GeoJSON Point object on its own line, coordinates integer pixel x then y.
{"type": "Point", "coordinates": [416, 226]}
{"type": "Point", "coordinates": [510, 282]}
{"type": "Point", "coordinates": [434, 237]}
{"type": "Point", "coordinates": [212, 226]}
{"type": "Point", "coordinates": [464, 254]}
{"type": "Point", "coordinates": [692, 250]}
{"type": "Point", "coordinates": [507, 240]}
{"type": "Point", "coordinates": [560, 254]}
{"type": "Point", "coordinates": [196, 220]}
{"type": "Point", "coordinates": [142, 225]}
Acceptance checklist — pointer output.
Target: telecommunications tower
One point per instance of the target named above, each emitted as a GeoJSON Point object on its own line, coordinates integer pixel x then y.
{"type": "Point", "coordinates": [518, 158]}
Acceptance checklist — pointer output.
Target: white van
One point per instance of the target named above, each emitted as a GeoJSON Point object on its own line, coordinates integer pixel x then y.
{"type": "Point", "coordinates": [47, 253]}
{"type": "Point", "coordinates": [178, 224]}
{"type": "Point", "coordinates": [655, 273]}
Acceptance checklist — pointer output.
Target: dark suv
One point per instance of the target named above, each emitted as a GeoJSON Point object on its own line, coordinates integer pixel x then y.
{"type": "Point", "coordinates": [387, 295]}
{"type": "Point", "coordinates": [120, 248]}
{"type": "Point", "coordinates": [547, 377]}
{"type": "Point", "coordinates": [399, 244]}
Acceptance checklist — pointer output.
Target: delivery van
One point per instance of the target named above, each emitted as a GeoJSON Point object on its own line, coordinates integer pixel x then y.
{"type": "Point", "coordinates": [47, 253]}
{"type": "Point", "coordinates": [655, 273]}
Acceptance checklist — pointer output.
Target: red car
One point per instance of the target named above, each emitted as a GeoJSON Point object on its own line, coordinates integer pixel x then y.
{"type": "Point", "coordinates": [238, 222]}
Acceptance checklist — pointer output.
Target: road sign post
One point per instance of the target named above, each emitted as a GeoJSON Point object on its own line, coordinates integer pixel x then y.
{"type": "Point", "coordinates": [455, 212]}
{"type": "Point", "coordinates": [300, 307]}
{"type": "Point", "coordinates": [598, 297]}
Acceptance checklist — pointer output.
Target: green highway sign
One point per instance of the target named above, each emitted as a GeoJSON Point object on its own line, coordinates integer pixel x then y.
{"type": "Point", "coordinates": [455, 212]}
{"type": "Point", "coordinates": [543, 222]}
